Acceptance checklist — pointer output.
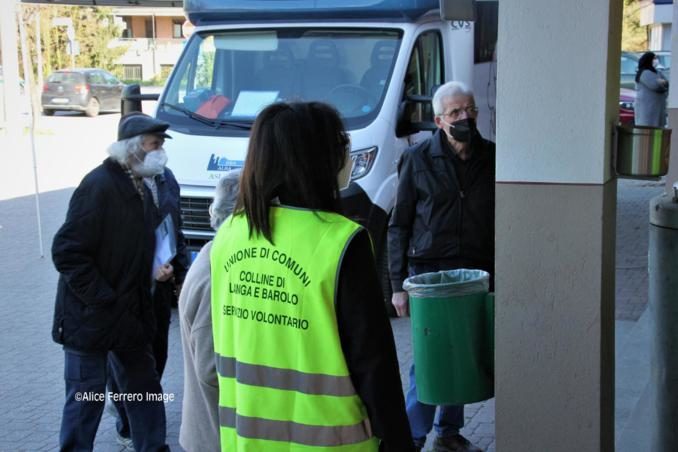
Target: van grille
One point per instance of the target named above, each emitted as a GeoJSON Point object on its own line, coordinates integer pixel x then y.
{"type": "Point", "coordinates": [195, 215]}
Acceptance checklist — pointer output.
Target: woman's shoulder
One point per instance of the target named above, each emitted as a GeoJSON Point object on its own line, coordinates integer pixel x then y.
{"type": "Point", "coordinates": [649, 75]}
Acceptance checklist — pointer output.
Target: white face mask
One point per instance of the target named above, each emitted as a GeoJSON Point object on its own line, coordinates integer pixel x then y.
{"type": "Point", "coordinates": [344, 176]}
{"type": "Point", "coordinates": [153, 163]}
{"type": "Point", "coordinates": [655, 63]}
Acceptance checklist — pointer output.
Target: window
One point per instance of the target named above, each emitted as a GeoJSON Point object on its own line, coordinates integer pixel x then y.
{"type": "Point", "coordinates": [177, 33]}
{"type": "Point", "coordinates": [110, 80]}
{"type": "Point", "coordinates": [127, 31]}
{"type": "Point", "coordinates": [424, 73]}
{"type": "Point", "coordinates": [348, 68]}
{"type": "Point", "coordinates": [485, 31]}
{"type": "Point", "coordinates": [95, 78]}
{"type": "Point", "coordinates": [65, 77]}
{"type": "Point", "coordinates": [132, 72]}
{"type": "Point", "coordinates": [150, 29]}
{"type": "Point", "coordinates": [165, 70]}
{"type": "Point", "coordinates": [628, 65]}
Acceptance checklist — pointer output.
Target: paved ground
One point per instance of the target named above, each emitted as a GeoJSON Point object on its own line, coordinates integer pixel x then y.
{"type": "Point", "coordinates": [31, 377]}
{"type": "Point", "coordinates": [632, 241]}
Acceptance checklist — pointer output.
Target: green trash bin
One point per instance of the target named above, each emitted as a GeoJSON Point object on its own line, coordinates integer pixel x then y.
{"type": "Point", "coordinates": [453, 336]}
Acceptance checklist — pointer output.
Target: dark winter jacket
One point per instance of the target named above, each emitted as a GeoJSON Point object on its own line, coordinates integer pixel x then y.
{"type": "Point", "coordinates": [104, 253]}
{"type": "Point", "coordinates": [441, 216]}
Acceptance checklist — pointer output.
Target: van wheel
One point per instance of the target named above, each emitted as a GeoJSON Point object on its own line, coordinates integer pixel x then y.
{"type": "Point", "coordinates": [384, 280]}
{"type": "Point", "coordinates": [48, 112]}
{"type": "Point", "coordinates": [92, 107]}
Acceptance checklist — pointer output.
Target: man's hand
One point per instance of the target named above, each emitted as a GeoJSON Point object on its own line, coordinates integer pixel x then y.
{"type": "Point", "coordinates": [164, 273]}
{"type": "Point", "coordinates": [400, 303]}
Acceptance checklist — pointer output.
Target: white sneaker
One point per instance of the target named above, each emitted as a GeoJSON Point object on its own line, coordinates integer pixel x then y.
{"type": "Point", "coordinates": [126, 443]}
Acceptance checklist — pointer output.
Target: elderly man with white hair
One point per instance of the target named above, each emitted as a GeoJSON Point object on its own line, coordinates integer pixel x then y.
{"type": "Point", "coordinates": [170, 275]}
{"type": "Point", "coordinates": [200, 410]}
{"type": "Point", "coordinates": [104, 253]}
{"type": "Point", "coordinates": [443, 219]}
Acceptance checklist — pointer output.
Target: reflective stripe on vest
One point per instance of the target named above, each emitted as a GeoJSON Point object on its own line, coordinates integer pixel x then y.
{"type": "Point", "coordinates": [310, 435]}
{"type": "Point", "coordinates": [290, 380]}
{"type": "Point", "coordinates": [283, 378]}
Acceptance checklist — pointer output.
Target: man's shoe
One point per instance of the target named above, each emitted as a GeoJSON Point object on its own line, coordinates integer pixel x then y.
{"type": "Point", "coordinates": [454, 443]}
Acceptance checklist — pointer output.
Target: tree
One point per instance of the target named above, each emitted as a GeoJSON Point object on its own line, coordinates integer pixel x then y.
{"type": "Point", "coordinates": [94, 30]}
{"type": "Point", "coordinates": [634, 35]}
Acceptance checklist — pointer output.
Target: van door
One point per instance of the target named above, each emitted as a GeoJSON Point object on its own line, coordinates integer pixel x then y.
{"type": "Point", "coordinates": [425, 72]}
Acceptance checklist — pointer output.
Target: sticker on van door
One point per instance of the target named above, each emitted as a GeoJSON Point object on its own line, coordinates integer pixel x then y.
{"type": "Point", "coordinates": [218, 163]}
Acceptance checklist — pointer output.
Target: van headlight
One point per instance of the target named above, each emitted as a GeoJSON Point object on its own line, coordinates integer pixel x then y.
{"type": "Point", "coordinates": [363, 159]}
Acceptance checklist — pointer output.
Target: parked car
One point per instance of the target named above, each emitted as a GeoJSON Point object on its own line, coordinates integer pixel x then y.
{"type": "Point", "coordinates": [627, 98]}
{"type": "Point", "coordinates": [88, 90]}
{"type": "Point", "coordinates": [628, 69]}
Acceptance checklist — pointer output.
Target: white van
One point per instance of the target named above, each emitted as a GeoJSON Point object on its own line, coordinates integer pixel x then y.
{"type": "Point", "coordinates": [377, 64]}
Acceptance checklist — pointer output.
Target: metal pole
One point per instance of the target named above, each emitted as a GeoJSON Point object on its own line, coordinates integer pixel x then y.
{"type": "Point", "coordinates": [28, 75]}
{"type": "Point", "coordinates": [663, 297]}
{"type": "Point", "coordinates": [153, 42]}
{"type": "Point", "coordinates": [38, 46]}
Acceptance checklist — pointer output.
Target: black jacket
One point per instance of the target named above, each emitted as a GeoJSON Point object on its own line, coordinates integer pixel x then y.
{"type": "Point", "coordinates": [435, 218]}
{"type": "Point", "coordinates": [103, 253]}
{"type": "Point", "coordinates": [368, 346]}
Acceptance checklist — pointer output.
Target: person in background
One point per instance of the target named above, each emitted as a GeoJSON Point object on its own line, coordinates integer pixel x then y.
{"type": "Point", "coordinates": [304, 348]}
{"type": "Point", "coordinates": [443, 219]}
{"type": "Point", "coordinates": [652, 90]}
{"type": "Point", "coordinates": [104, 310]}
{"type": "Point", "coordinates": [164, 191]}
{"type": "Point", "coordinates": [199, 417]}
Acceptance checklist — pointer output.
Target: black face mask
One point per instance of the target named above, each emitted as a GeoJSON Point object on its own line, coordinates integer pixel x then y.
{"type": "Point", "coordinates": [463, 130]}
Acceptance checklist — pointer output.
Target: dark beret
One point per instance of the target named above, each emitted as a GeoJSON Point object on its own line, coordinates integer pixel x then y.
{"type": "Point", "coordinates": [137, 123]}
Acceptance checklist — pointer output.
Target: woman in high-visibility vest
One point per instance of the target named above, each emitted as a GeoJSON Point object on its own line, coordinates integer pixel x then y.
{"type": "Point", "coordinates": [304, 350]}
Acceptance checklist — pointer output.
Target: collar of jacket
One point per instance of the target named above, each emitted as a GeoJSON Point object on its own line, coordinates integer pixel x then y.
{"type": "Point", "coordinates": [122, 180]}
{"type": "Point", "coordinates": [437, 144]}
{"type": "Point", "coordinates": [160, 178]}
{"type": "Point", "coordinates": [440, 147]}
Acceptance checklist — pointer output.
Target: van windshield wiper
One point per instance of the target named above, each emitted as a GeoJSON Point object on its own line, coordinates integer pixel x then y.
{"type": "Point", "coordinates": [216, 123]}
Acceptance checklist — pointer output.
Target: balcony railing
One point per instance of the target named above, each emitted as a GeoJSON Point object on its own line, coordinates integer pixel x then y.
{"type": "Point", "coordinates": [143, 44]}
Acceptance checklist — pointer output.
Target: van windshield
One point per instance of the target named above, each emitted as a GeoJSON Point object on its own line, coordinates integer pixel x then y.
{"type": "Point", "coordinates": [229, 76]}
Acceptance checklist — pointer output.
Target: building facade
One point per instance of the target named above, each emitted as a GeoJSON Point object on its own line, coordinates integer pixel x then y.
{"type": "Point", "coordinates": [154, 40]}
{"type": "Point", "coordinates": [657, 15]}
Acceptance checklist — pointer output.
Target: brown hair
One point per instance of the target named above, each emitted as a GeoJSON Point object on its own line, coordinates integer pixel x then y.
{"type": "Point", "coordinates": [295, 152]}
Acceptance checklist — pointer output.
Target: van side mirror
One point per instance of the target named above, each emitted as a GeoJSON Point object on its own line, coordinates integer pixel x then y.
{"type": "Point", "coordinates": [131, 99]}
{"type": "Point", "coordinates": [406, 110]}
{"type": "Point", "coordinates": [457, 10]}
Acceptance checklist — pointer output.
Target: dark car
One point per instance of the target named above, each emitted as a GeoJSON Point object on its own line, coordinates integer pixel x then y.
{"type": "Point", "coordinates": [88, 90]}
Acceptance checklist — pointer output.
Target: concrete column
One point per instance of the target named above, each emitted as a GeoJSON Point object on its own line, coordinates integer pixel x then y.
{"type": "Point", "coordinates": [672, 175]}
{"type": "Point", "coordinates": [10, 69]}
{"type": "Point", "coordinates": [557, 101]}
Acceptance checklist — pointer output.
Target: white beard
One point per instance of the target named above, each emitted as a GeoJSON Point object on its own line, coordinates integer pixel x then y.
{"type": "Point", "coordinates": [153, 163]}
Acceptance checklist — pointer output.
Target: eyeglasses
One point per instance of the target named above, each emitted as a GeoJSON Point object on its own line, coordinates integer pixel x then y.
{"type": "Point", "coordinates": [470, 111]}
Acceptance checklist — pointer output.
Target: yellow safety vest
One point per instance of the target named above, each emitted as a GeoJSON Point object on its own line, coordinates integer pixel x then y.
{"type": "Point", "coordinates": [283, 380]}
